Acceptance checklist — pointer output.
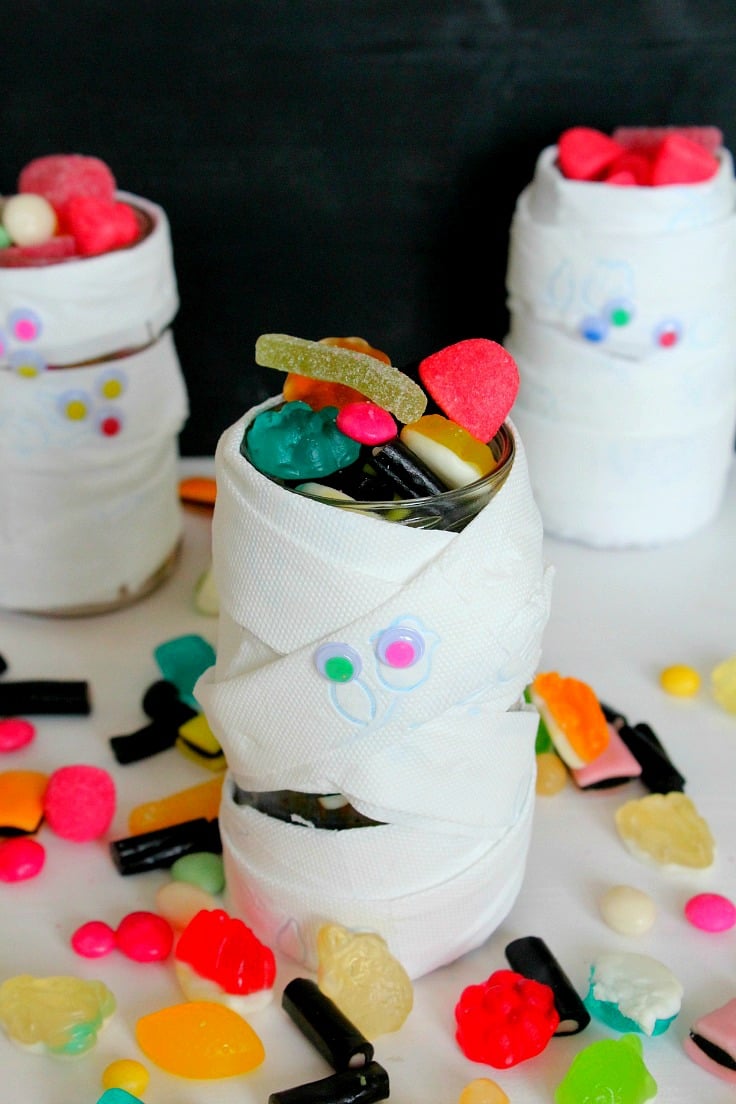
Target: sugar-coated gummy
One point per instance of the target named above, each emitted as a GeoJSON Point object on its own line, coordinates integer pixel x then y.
{"type": "Point", "coordinates": [79, 803]}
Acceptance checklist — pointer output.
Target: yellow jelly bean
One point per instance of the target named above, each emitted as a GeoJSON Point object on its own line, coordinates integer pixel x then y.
{"type": "Point", "coordinates": [483, 1091]}
{"type": "Point", "coordinates": [126, 1074]}
{"type": "Point", "coordinates": [551, 774]}
{"type": "Point", "coordinates": [201, 1040]}
{"type": "Point", "coordinates": [680, 680]}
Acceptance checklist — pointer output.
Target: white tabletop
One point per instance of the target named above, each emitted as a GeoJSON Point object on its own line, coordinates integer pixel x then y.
{"type": "Point", "coordinates": [617, 619]}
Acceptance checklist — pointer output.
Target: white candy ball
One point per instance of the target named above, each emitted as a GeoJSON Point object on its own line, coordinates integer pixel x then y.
{"type": "Point", "coordinates": [627, 910]}
{"type": "Point", "coordinates": [29, 219]}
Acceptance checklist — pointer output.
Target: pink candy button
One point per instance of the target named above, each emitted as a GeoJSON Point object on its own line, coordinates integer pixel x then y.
{"type": "Point", "coordinates": [366, 423]}
{"type": "Point", "coordinates": [15, 733]}
{"type": "Point", "coordinates": [20, 859]}
{"type": "Point", "coordinates": [94, 939]}
{"type": "Point", "coordinates": [711, 912]}
{"type": "Point", "coordinates": [145, 937]}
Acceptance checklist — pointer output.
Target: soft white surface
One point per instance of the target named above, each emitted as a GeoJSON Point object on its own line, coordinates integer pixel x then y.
{"type": "Point", "coordinates": [617, 619]}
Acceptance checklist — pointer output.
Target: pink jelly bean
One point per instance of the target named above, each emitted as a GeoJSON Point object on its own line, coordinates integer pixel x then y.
{"type": "Point", "coordinates": [15, 733]}
{"type": "Point", "coordinates": [711, 912]}
{"type": "Point", "coordinates": [94, 939]}
{"type": "Point", "coordinates": [20, 859]}
{"type": "Point", "coordinates": [145, 937]}
{"type": "Point", "coordinates": [79, 802]}
{"type": "Point", "coordinates": [366, 422]}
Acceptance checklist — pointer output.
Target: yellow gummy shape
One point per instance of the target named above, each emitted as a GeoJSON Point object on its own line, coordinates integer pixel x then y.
{"type": "Point", "coordinates": [359, 973]}
{"type": "Point", "coordinates": [668, 829]}
{"type": "Point", "coordinates": [382, 383]}
{"type": "Point", "coordinates": [202, 800]}
{"type": "Point", "coordinates": [483, 1091]}
{"type": "Point", "coordinates": [60, 1013]}
{"type": "Point", "coordinates": [21, 799]}
{"type": "Point", "coordinates": [200, 1040]}
{"type": "Point", "coordinates": [575, 709]}
{"type": "Point", "coordinates": [433, 433]}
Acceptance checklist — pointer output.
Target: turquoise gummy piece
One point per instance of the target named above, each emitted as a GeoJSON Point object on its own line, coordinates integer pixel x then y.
{"type": "Point", "coordinates": [118, 1096]}
{"type": "Point", "coordinates": [611, 1070]}
{"type": "Point", "coordinates": [296, 442]}
{"type": "Point", "coordinates": [182, 660]}
{"type": "Point", "coordinates": [608, 1013]}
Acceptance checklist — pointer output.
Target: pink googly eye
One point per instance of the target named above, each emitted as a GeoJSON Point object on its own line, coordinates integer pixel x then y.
{"type": "Point", "coordinates": [24, 324]}
{"type": "Point", "coordinates": [400, 647]}
{"type": "Point", "coordinates": [668, 333]}
{"type": "Point", "coordinates": [337, 662]}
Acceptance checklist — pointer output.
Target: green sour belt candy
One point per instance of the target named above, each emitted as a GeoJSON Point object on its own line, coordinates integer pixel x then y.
{"type": "Point", "coordinates": [382, 383]}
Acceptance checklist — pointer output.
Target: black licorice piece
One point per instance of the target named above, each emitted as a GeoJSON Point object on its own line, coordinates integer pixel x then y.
{"type": "Point", "coordinates": [407, 473]}
{"type": "Point", "coordinates": [161, 701]}
{"type": "Point", "coordinates": [658, 772]}
{"type": "Point", "coordinates": [159, 849]}
{"type": "Point", "coordinates": [67, 697]}
{"type": "Point", "coordinates": [320, 1020]}
{"type": "Point", "coordinates": [531, 957]}
{"type": "Point", "coordinates": [142, 744]}
{"type": "Point", "coordinates": [3, 665]}
{"type": "Point", "coordinates": [355, 1086]}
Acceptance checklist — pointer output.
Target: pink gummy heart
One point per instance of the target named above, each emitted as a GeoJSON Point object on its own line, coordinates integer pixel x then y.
{"type": "Point", "coordinates": [584, 153]}
{"type": "Point", "coordinates": [59, 176]}
{"type": "Point", "coordinates": [99, 225]}
{"type": "Point", "coordinates": [679, 160]}
{"type": "Point", "coordinates": [474, 382]}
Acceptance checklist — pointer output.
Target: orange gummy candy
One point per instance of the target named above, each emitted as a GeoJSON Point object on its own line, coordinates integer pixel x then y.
{"type": "Point", "coordinates": [359, 345]}
{"type": "Point", "coordinates": [198, 490]}
{"type": "Point", "coordinates": [21, 800]}
{"type": "Point", "coordinates": [199, 1040]}
{"type": "Point", "coordinates": [574, 717]}
{"type": "Point", "coordinates": [202, 800]}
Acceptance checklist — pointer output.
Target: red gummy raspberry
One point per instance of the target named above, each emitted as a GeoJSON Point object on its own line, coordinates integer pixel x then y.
{"type": "Point", "coordinates": [679, 160]}
{"type": "Point", "coordinates": [60, 176]}
{"type": "Point", "coordinates": [225, 950]}
{"type": "Point", "coordinates": [99, 225]}
{"type": "Point", "coordinates": [584, 153]}
{"type": "Point", "coordinates": [505, 1020]}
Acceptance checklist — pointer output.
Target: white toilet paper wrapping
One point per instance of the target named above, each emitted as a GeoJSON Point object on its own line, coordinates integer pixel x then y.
{"type": "Point", "coordinates": [87, 517]}
{"type": "Point", "coordinates": [92, 307]}
{"type": "Point", "coordinates": [629, 441]}
{"type": "Point", "coordinates": [438, 750]}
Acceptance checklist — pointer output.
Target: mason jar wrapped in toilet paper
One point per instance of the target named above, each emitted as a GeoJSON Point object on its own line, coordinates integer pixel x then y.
{"type": "Point", "coordinates": [373, 672]}
{"type": "Point", "coordinates": [624, 333]}
{"type": "Point", "coordinates": [92, 400]}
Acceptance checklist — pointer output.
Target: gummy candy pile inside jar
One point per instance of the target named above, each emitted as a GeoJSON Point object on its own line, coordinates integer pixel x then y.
{"type": "Point", "coordinates": [66, 208]}
{"type": "Point", "coordinates": [352, 430]}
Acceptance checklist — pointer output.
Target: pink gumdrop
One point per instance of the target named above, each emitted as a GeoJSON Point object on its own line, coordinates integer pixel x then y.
{"type": "Point", "coordinates": [15, 733]}
{"type": "Point", "coordinates": [366, 422]}
{"type": "Point", "coordinates": [20, 859]}
{"type": "Point", "coordinates": [145, 937]}
{"type": "Point", "coordinates": [711, 912]}
{"type": "Point", "coordinates": [94, 939]}
{"type": "Point", "coordinates": [79, 802]}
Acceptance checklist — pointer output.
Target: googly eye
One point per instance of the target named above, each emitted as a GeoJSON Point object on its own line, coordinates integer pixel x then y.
{"type": "Point", "coordinates": [594, 328]}
{"type": "Point", "coordinates": [24, 324]}
{"type": "Point", "coordinates": [400, 647]}
{"type": "Point", "coordinates": [27, 363]}
{"type": "Point", "coordinates": [338, 662]}
{"type": "Point", "coordinates": [112, 385]}
{"type": "Point", "coordinates": [3, 344]}
{"type": "Point", "coordinates": [74, 405]}
{"type": "Point", "coordinates": [668, 333]}
{"type": "Point", "coordinates": [619, 312]}
{"type": "Point", "coordinates": [109, 422]}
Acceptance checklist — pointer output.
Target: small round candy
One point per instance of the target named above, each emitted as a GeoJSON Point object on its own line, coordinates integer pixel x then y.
{"type": "Point", "coordinates": [126, 1074]}
{"type": "Point", "coordinates": [202, 869]}
{"type": "Point", "coordinates": [680, 680]}
{"type": "Point", "coordinates": [15, 733]}
{"type": "Point", "coordinates": [94, 939]}
{"type": "Point", "coordinates": [551, 774]}
{"type": "Point", "coordinates": [483, 1091]}
{"type": "Point", "coordinates": [145, 937]}
{"type": "Point", "coordinates": [711, 912]}
{"type": "Point", "coordinates": [29, 219]}
{"type": "Point", "coordinates": [627, 910]}
{"type": "Point", "coordinates": [20, 859]}
{"type": "Point", "coordinates": [79, 802]}
{"type": "Point", "coordinates": [366, 422]}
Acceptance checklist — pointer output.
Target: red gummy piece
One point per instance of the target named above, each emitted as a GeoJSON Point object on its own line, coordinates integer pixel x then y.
{"type": "Point", "coordinates": [584, 153]}
{"type": "Point", "coordinates": [474, 382]}
{"type": "Point", "coordinates": [679, 160]}
{"type": "Point", "coordinates": [56, 249]}
{"type": "Point", "coordinates": [224, 949]}
{"type": "Point", "coordinates": [648, 139]}
{"type": "Point", "coordinates": [79, 802]}
{"type": "Point", "coordinates": [99, 225]}
{"type": "Point", "coordinates": [145, 937]}
{"type": "Point", "coordinates": [630, 168]}
{"type": "Point", "coordinates": [505, 1020]}
{"type": "Point", "coordinates": [60, 176]}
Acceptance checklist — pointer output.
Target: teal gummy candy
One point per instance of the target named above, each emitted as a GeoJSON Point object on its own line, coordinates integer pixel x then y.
{"type": "Point", "coordinates": [612, 1070]}
{"type": "Point", "coordinates": [608, 1012]}
{"type": "Point", "coordinates": [182, 660]}
{"type": "Point", "coordinates": [118, 1096]}
{"type": "Point", "coordinates": [296, 442]}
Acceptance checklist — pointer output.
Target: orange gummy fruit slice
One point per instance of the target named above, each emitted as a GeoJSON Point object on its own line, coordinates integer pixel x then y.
{"type": "Point", "coordinates": [199, 1040]}
{"type": "Point", "coordinates": [575, 709]}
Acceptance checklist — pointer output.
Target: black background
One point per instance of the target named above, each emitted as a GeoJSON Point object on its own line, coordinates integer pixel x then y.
{"type": "Point", "coordinates": [342, 167]}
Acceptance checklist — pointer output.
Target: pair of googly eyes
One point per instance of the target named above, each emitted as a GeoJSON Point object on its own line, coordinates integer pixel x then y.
{"type": "Point", "coordinates": [619, 313]}
{"type": "Point", "coordinates": [23, 325]}
{"type": "Point", "coordinates": [398, 647]}
{"type": "Point", "coordinates": [78, 406]}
